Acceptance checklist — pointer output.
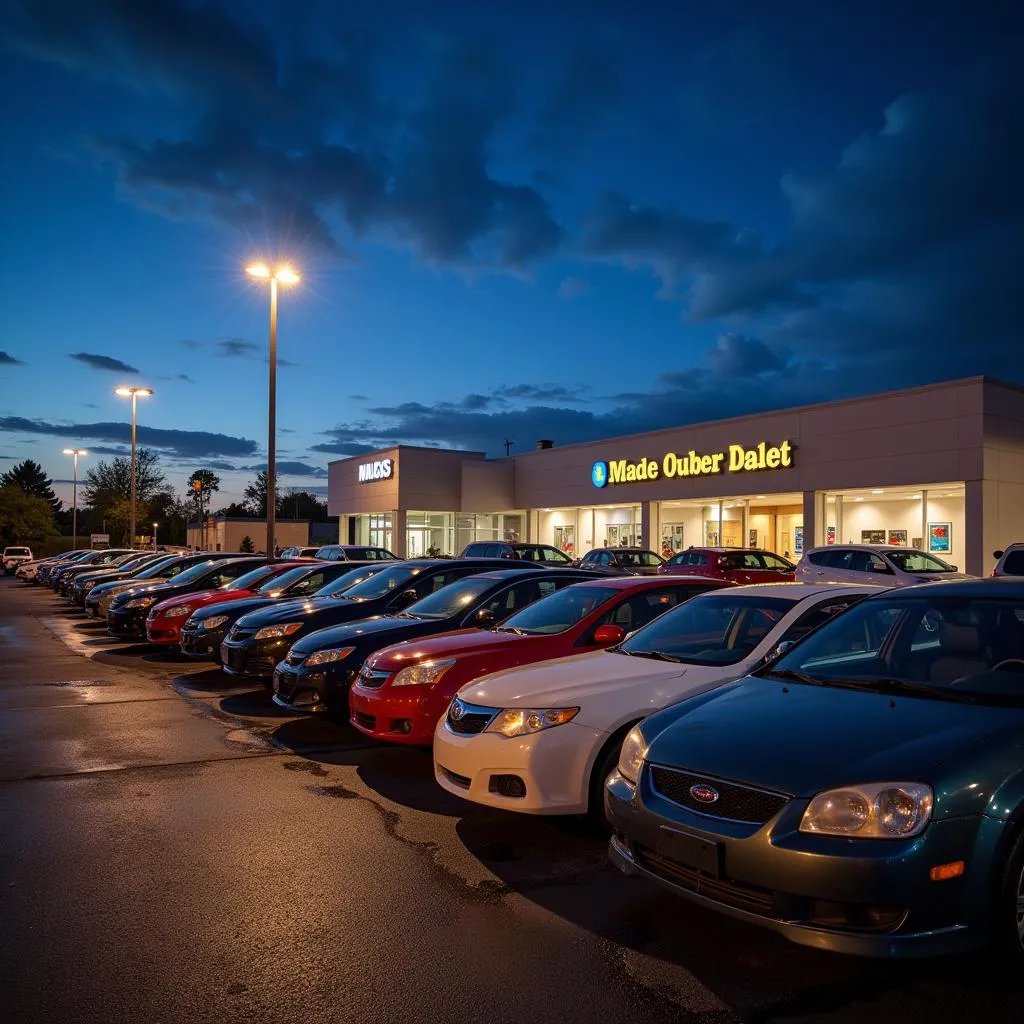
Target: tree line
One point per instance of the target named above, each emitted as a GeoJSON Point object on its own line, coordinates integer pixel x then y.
{"type": "Point", "coordinates": [30, 512]}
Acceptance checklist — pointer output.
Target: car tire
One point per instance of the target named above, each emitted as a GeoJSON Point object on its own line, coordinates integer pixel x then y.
{"type": "Point", "coordinates": [1008, 924]}
{"type": "Point", "coordinates": [607, 759]}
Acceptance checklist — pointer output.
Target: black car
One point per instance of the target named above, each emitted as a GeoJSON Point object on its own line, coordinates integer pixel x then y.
{"type": "Point", "coordinates": [354, 553]}
{"type": "Point", "coordinates": [320, 668]}
{"type": "Point", "coordinates": [126, 616]}
{"type": "Point", "coordinates": [205, 629]}
{"type": "Point", "coordinates": [259, 640]}
{"type": "Point", "coordinates": [95, 560]}
{"type": "Point", "coordinates": [71, 573]}
{"type": "Point", "coordinates": [623, 561]}
{"type": "Point", "coordinates": [99, 598]}
{"type": "Point", "coordinates": [85, 581]}
{"type": "Point", "coordinates": [48, 565]}
{"type": "Point", "coordinates": [538, 554]}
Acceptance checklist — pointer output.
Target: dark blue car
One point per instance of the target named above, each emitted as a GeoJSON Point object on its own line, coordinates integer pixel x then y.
{"type": "Point", "coordinates": [863, 793]}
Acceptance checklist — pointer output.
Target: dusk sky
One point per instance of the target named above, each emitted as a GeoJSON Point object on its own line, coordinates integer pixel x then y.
{"type": "Point", "coordinates": [561, 220]}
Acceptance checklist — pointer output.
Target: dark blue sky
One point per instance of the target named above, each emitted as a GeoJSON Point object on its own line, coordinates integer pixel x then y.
{"type": "Point", "coordinates": [545, 220]}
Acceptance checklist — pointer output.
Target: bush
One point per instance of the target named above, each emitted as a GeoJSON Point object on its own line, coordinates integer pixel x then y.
{"type": "Point", "coordinates": [247, 545]}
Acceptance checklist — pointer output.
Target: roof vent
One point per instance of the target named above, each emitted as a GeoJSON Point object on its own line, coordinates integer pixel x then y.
{"type": "Point", "coordinates": [545, 443]}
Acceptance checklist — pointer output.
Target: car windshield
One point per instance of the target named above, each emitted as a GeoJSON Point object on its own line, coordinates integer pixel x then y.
{"type": "Point", "coordinates": [339, 586]}
{"type": "Point", "coordinates": [450, 600]}
{"type": "Point", "coordinates": [197, 572]}
{"type": "Point", "coordinates": [638, 558]}
{"type": "Point", "coordinates": [945, 647]}
{"type": "Point", "coordinates": [16, 551]}
{"type": "Point", "coordinates": [383, 582]}
{"type": "Point", "coordinates": [156, 568]}
{"type": "Point", "coordinates": [251, 579]}
{"type": "Point", "coordinates": [559, 611]}
{"type": "Point", "coordinates": [917, 561]}
{"type": "Point", "coordinates": [279, 583]}
{"type": "Point", "coordinates": [711, 629]}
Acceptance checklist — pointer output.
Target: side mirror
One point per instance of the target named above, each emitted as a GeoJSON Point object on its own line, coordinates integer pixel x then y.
{"type": "Point", "coordinates": [781, 649]}
{"type": "Point", "coordinates": [956, 568]}
{"type": "Point", "coordinates": [608, 635]}
{"type": "Point", "coordinates": [406, 598]}
{"type": "Point", "coordinates": [484, 618]}
{"type": "Point", "coordinates": [998, 554]}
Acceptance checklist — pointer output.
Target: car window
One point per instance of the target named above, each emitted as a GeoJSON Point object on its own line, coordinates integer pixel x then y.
{"type": "Point", "coordinates": [1013, 564]}
{"type": "Point", "coordinates": [549, 554]}
{"type": "Point", "coordinates": [441, 600]}
{"type": "Point", "coordinates": [517, 596]}
{"type": "Point", "coordinates": [639, 609]}
{"type": "Point", "coordinates": [681, 559]}
{"type": "Point", "coordinates": [774, 562]}
{"type": "Point", "coordinates": [820, 557]}
{"type": "Point", "coordinates": [429, 584]}
{"type": "Point", "coordinates": [559, 611]}
{"type": "Point", "coordinates": [917, 561]}
{"type": "Point", "coordinates": [229, 572]}
{"type": "Point", "coordinates": [254, 577]}
{"type": "Point", "coordinates": [817, 616]}
{"type": "Point", "coordinates": [867, 561]}
{"type": "Point", "coordinates": [638, 558]}
{"type": "Point", "coordinates": [310, 585]}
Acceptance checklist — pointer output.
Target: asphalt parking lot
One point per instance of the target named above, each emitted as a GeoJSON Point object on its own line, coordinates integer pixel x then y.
{"type": "Point", "coordinates": [176, 848]}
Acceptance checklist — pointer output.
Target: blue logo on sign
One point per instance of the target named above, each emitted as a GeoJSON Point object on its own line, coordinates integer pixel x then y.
{"type": "Point", "coordinates": [599, 474]}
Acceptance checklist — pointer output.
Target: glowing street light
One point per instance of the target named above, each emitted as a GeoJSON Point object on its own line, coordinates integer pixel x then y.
{"type": "Point", "coordinates": [74, 496]}
{"type": "Point", "coordinates": [286, 276]}
{"type": "Point", "coordinates": [155, 525]}
{"type": "Point", "coordinates": [133, 394]}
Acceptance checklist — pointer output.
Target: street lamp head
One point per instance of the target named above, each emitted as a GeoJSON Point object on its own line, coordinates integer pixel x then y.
{"type": "Point", "coordinates": [126, 392]}
{"type": "Point", "coordinates": [285, 275]}
{"type": "Point", "coordinates": [258, 270]}
{"type": "Point", "coordinates": [75, 451]}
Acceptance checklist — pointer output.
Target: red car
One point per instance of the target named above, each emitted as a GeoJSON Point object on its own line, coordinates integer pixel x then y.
{"type": "Point", "coordinates": [163, 625]}
{"type": "Point", "coordinates": [403, 690]}
{"type": "Point", "coordinates": [737, 565]}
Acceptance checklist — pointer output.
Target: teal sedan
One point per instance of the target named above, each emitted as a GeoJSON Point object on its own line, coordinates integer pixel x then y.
{"type": "Point", "coordinates": [863, 793]}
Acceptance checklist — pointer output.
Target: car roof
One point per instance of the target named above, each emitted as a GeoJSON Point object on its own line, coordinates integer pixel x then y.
{"type": "Point", "coordinates": [431, 563]}
{"type": "Point", "coordinates": [882, 548]}
{"type": "Point", "coordinates": [986, 586]}
{"type": "Point", "coordinates": [518, 572]}
{"type": "Point", "coordinates": [799, 591]}
{"type": "Point", "coordinates": [732, 551]}
{"type": "Point", "coordinates": [623, 547]}
{"type": "Point", "coordinates": [647, 582]}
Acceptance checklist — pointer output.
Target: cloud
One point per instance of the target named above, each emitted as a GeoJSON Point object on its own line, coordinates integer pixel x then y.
{"type": "Point", "coordinates": [182, 443]}
{"type": "Point", "coordinates": [183, 377]}
{"type": "Point", "coordinates": [98, 362]}
{"type": "Point", "coordinates": [739, 356]}
{"type": "Point", "coordinates": [237, 348]}
{"type": "Point", "coordinates": [542, 392]}
{"type": "Point", "coordinates": [90, 405]}
{"type": "Point", "coordinates": [189, 343]}
{"type": "Point", "coordinates": [572, 287]}
{"type": "Point", "coordinates": [289, 468]}
{"type": "Point", "coordinates": [358, 398]}
{"type": "Point", "coordinates": [346, 448]}
{"type": "Point", "coordinates": [6, 359]}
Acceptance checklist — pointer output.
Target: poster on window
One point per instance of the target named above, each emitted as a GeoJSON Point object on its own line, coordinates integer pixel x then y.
{"type": "Point", "coordinates": [872, 536]}
{"type": "Point", "coordinates": [752, 538]}
{"type": "Point", "coordinates": [798, 540]}
{"type": "Point", "coordinates": [830, 535]}
{"type": "Point", "coordinates": [898, 538]}
{"type": "Point", "coordinates": [939, 535]}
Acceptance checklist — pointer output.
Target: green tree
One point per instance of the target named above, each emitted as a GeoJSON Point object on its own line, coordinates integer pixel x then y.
{"type": "Point", "coordinates": [172, 514]}
{"type": "Point", "coordinates": [256, 496]}
{"type": "Point", "coordinates": [32, 479]}
{"type": "Point", "coordinates": [233, 511]}
{"type": "Point", "coordinates": [108, 487]}
{"type": "Point", "coordinates": [25, 518]}
{"type": "Point", "coordinates": [303, 505]}
{"type": "Point", "coordinates": [199, 496]}
{"type": "Point", "coordinates": [247, 545]}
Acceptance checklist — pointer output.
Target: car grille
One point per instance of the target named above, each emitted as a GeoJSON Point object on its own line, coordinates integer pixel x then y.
{"type": "Point", "coordinates": [373, 679]}
{"type": "Point", "coordinates": [365, 720]}
{"type": "Point", "coordinates": [734, 803]}
{"type": "Point", "coordinates": [462, 781]}
{"type": "Point", "coordinates": [472, 720]}
{"type": "Point", "coordinates": [722, 890]}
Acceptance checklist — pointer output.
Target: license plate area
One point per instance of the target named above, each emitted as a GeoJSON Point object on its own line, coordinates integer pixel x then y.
{"type": "Point", "coordinates": [691, 851]}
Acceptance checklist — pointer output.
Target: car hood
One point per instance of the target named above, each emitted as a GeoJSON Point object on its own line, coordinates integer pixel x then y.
{"type": "Point", "coordinates": [328, 610]}
{"type": "Point", "coordinates": [604, 684]}
{"type": "Point", "coordinates": [800, 739]}
{"type": "Point", "coordinates": [376, 631]}
{"type": "Point", "coordinates": [937, 577]}
{"type": "Point", "coordinates": [202, 598]}
{"type": "Point", "coordinates": [454, 643]}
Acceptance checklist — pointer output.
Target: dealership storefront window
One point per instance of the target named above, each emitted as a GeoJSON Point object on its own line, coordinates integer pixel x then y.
{"type": "Point", "coordinates": [771, 521]}
{"type": "Point", "coordinates": [929, 518]}
{"type": "Point", "coordinates": [577, 530]}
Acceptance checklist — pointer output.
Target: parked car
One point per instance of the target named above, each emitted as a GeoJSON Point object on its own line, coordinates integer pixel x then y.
{"type": "Point", "coordinates": [67, 576]}
{"type": "Point", "coordinates": [299, 551]}
{"type": "Point", "coordinates": [544, 554]}
{"type": "Point", "coordinates": [404, 690]}
{"type": "Point", "coordinates": [893, 828]}
{"type": "Point", "coordinates": [28, 571]}
{"type": "Point", "coordinates": [259, 640]}
{"type": "Point", "coordinates": [202, 633]}
{"type": "Point", "coordinates": [320, 668]}
{"type": "Point", "coordinates": [126, 616]}
{"type": "Point", "coordinates": [100, 597]}
{"type": "Point", "coordinates": [866, 563]}
{"type": "Point", "coordinates": [353, 553]}
{"type": "Point", "coordinates": [95, 560]}
{"type": "Point", "coordinates": [502, 742]}
{"type": "Point", "coordinates": [85, 581]}
{"type": "Point", "coordinates": [165, 618]}
{"type": "Point", "coordinates": [630, 561]}
{"type": "Point", "coordinates": [1009, 562]}
{"type": "Point", "coordinates": [13, 557]}
{"type": "Point", "coordinates": [747, 565]}
{"type": "Point", "coordinates": [48, 565]}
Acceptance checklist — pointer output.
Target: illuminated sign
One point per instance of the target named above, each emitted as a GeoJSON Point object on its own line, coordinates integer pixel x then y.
{"type": "Point", "coordinates": [370, 472]}
{"type": "Point", "coordinates": [735, 459]}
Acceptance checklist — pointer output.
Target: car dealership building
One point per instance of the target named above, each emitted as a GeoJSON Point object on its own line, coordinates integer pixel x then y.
{"type": "Point", "coordinates": [939, 467]}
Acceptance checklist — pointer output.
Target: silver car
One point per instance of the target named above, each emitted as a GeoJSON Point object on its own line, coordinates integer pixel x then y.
{"type": "Point", "coordinates": [869, 563]}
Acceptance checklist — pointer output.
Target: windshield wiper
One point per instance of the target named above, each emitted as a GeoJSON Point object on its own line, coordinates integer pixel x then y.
{"type": "Point", "coordinates": [511, 629]}
{"type": "Point", "coordinates": [656, 655]}
{"type": "Point", "coordinates": [907, 686]}
{"type": "Point", "coordinates": [409, 615]}
{"type": "Point", "coordinates": [795, 674]}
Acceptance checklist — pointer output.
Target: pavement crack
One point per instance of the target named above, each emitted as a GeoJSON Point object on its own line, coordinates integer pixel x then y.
{"type": "Point", "coordinates": [487, 891]}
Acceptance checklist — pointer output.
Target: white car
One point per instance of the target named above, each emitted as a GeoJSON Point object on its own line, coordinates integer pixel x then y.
{"type": "Point", "coordinates": [13, 557]}
{"type": "Point", "coordinates": [870, 563]}
{"type": "Point", "coordinates": [542, 738]}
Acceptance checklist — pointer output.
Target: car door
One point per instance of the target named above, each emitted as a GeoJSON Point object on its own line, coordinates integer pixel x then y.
{"type": "Point", "coordinates": [513, 598]}
{"type": "Point", "coordinates": [871, 567]}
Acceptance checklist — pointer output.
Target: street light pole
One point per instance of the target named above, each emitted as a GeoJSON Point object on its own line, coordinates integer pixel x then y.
{"type": "Point", "coordinates": [284, 275]}
{"type": "Point", "coordinates": [74, 495]}
{"type": "Point", "coordinates": [155, 526]}
{"type": "Point", "coordinates": [134, 393]}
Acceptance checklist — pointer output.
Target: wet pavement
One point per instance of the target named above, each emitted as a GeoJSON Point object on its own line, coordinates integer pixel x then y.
{"type": "Point", "coordinates": [177, 849]}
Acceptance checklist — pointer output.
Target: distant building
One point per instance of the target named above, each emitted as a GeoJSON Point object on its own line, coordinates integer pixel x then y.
{"type": "Point", "coordinates": [223, 534]}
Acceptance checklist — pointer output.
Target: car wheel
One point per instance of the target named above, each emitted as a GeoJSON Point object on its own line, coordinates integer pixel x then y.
{"type": "Point", "coordinates": [606, 762]}
{"type": "Point", "coordinates": [1009, 911]}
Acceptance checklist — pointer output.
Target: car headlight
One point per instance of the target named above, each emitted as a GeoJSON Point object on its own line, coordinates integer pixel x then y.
{"type": "Point", "coordinates": [425, 674]}
{"type": "Point", "coordinates": [214, 621]}
{"type": "Point", "coordinates": [176, 613]}
{"type": "Point", "coordinates": [878, 810]}
{"type": "Point", "coordinates": [285, 629]}
{"type": "Point", "coordinates": [631, 757]}
{"type": "Point", "coordinates": [329, 654]}
{"type": "Point", "coordinates": [140, 602]}
{"type": "Point", "coordinates": [89, 584]}
{"type": "Point", "coordinates": [524, 721]}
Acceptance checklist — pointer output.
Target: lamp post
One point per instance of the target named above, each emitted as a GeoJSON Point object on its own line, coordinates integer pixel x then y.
{"type": "Point", "coordinates": [74, 495]}
{"type": "Point", "coordinates": [283, 275]}
{"type": "Point", "coordinates": [133, 393]}
{"type": "Point", "coordinates": [155, 525]}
